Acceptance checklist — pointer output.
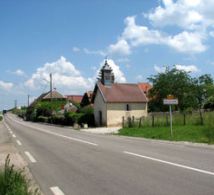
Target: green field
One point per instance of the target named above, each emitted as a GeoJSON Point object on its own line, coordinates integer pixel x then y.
{"type": "Point", "coordinates": [158, 128]}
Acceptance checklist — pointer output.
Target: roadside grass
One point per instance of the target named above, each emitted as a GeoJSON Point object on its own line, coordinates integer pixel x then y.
{"type": "Point", "coordinates": [191, 133]}
{"type": "Point", "coordinates": [1, 118]}
{"type": "Point", "coordinates": [13, 182]}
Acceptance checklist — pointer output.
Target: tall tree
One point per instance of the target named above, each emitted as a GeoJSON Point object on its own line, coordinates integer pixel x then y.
{"type": "Point", "coordinates": [174, 82]}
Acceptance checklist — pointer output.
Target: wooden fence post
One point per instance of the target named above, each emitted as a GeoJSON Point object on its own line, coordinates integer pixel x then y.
{"type": "Point", "coordinates": [153, 120]}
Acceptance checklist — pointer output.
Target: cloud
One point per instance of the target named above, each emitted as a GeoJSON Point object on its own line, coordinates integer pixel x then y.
{"type": "Point", "coordinates": [19, 72]}
{"type": "Point", "coordinates": [121, 47]}
{"type": "Point", "coordinates": [160, 69]}
{"type": "Point", "coordinates": [187, 68]}
{"type": "Point", "coordinates": [6, 85]}
{"type": "Point", "coordinates": [65, 77]}
{"type": "Point", "coordinates": [135, 35]}
{"type": "Point", "coordinates": [186, 14]}
{"type": "Point", "coordinates": [94, 52]}
{"type": "Point", "coordinates": [76, 49]}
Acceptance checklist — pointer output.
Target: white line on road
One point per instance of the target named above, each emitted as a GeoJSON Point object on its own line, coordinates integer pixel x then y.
{"type": "Point", "coordinates": [14, 135]}
{"type": "Point", "coordinates": [56, 190]}
{"type": "Point", "coordinates": [31, 158]}
{"type": "Point", "coordinates": [18, 142]}
{"type": "Point", "coordinates": [57, 134]}
{"type": "Point", "coordinates": [170, 163]}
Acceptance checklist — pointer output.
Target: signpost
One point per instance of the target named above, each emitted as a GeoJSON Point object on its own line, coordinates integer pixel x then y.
{"type": "Point", "coordinates": [171, 100]}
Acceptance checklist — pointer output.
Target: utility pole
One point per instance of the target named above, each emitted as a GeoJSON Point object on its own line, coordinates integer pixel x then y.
{"type": "Point", "coordinates": [15, 104]}
{"type": "Point", "coordinates": [51, 86]}
{"type": "Point", "coordinates": [28, 100]}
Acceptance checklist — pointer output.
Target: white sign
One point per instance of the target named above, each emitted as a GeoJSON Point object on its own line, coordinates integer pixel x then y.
{"type": "Point", "coordinates": [170, 101]}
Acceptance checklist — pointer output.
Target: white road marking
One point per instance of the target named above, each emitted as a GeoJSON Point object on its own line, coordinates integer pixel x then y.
{"type": "Point", "coordinates": [57, 134]}
{"type": "Point", "coordinates": [56, 190]}
{"type": "Point", "coordinates": [14, 135]}
{"type": "Point", "coordinates": [18, 142]}
{"type": "Point", "coordinates": [31, 158]}
{"type": "Point", "coordinates": [170, 163]}
{"type": "Point", "coordinates": [11, 132]}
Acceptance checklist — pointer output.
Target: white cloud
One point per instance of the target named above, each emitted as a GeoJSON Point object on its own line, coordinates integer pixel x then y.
{"type": "Point", "coordinates": [187, 42]}
{"type": "Point", "coordinates": [187, 14]}
{"type": "Point", "coordinates": [137, 35]}
{"type": "Point", "coordinates": [94, 52]}
{"type": "Point", "coordinates": [19, 72]}
{"type": "Point", "coordinates": [193, 21]}
{"type": "Point", "coordinates": [76, 49]}
{"type": "Point", "coordinates": [160, 69]}
{"type": "Point", "coordinates": [65, 77]}
{"type": "Point", "coordinates": [120, 47]}
{"type": "Point", "coordinates": [6, 85]}
{"type": "Point", "coordinates": [187, 68]}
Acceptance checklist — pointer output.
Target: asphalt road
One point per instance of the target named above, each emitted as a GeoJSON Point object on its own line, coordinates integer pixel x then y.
{"type": "Point", "coordinates": [66, 161]}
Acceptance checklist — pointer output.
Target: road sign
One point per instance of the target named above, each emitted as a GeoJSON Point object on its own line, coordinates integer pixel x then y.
{"type": "Point", "coordinates": [170, 101]}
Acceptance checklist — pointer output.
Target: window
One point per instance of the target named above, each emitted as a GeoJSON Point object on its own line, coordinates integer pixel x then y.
{"type": "Point", "coordinates": [127, 107]}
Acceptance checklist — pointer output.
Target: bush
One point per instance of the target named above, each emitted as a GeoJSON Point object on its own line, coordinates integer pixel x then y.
{"type": "Point", "coordinates": [13, 182]}
{"type": "Point", "coordinates": [43, 119]}
{"type": "Point", "coordinates": [57, 119]}
{"type": "Point", "coordinates": [1, 118]}
{"type": "Point", "coordinates": [87, 116]}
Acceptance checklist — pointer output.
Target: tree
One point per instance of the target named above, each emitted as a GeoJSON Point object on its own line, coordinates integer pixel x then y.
{"type": "Point", "coordinates": [203, 89]}
{"type": "Point", "coordinates": [174, 82]}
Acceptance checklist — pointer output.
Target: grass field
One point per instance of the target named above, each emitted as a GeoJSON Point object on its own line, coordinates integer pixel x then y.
{"type": "Point", "coordinates": [186, 127]}
{"type": "Point", "coordinates": [192, 133]}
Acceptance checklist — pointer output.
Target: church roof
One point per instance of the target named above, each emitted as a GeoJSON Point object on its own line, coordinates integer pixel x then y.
{"type": "Point", "coordinates": [121, 93]}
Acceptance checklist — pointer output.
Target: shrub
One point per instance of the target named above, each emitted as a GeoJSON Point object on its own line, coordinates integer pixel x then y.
{"type": "Point", "coordinates": [13, 182]}
{"type": "Point", "coordinates": [57, 119]}
{"type": "Point", "coordinates": [43, 119]}
{"type": "Point", "coordinates": [1, 118]}
{"type": "Point", "coordinates": [87, 116]}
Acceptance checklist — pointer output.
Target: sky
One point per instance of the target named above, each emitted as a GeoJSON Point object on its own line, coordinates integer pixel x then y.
{"type": "Point", "coordinates": [72, 38]}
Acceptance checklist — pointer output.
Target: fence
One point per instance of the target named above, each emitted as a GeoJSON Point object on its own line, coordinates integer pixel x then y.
{"type": "Point", "coordinates": [163, 119]}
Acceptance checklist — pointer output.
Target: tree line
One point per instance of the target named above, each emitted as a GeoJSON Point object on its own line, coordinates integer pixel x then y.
{"type": "Point", "coordinates": [193, 93]}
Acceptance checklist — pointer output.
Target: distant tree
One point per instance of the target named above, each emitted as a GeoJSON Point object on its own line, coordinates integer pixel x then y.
{"type": "Point", "coordinates": [174, 82]}
{"type": "Point", "coordinates": [203, 91]}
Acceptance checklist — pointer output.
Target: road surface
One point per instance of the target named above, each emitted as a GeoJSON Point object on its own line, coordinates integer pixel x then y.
{"type": "Point", "coordinates": [70, 162]}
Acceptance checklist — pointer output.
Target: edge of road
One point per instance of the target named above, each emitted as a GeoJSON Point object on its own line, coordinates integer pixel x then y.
{"type": "Point", "coordinates": [8, 146]}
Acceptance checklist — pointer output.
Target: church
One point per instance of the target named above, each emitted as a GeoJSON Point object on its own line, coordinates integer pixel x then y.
{"type": "Point", "coordinates": [115, 102]}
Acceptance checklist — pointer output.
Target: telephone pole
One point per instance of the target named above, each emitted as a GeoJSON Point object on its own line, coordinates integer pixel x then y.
{"type": "Point", "coordinates": [28, 100]}
{"type": "Point", "coordinates": [51, 89]}
{"type": "Point", "coordinates": [15, 104]}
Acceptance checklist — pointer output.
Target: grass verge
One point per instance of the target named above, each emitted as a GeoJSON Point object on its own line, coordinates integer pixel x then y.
{"type": "Point", "coordinates": [191, 133]}
{"type": "Point", "coordinates": [14, 182]}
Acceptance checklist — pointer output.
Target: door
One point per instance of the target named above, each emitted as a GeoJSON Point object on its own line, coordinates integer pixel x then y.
{"type": "Point", "coordinates": [100, 118]}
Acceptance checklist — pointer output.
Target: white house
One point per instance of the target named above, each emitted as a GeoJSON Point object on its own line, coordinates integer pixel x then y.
{"type": "Point", "coordinates": [114, 102]}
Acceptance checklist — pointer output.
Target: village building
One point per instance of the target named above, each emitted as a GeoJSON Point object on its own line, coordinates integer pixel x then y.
{"type": "Point", "coordinates": [116, 102]}
{"type": "Point", "coordinates": [74, 98]}
{"type": "Point", "coordinates": [145, 87]}
{"type": "Point", "coordinates": [87, 99]}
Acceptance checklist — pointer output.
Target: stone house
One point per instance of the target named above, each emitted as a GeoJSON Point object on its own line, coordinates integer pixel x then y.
{"type": "Point", "coordinates": [115, 102]}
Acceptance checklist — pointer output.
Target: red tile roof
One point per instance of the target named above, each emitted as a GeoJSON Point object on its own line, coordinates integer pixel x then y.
{"type": "Point", "coordinates": [74, 98]}
{"type": "Point", "coordinates": [121, 93]}
{"type": "Point", "coordinates": [145, 87]}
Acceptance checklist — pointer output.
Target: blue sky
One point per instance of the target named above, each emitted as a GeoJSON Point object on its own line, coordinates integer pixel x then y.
{"type": "Point", "coordinates": [71, 38]}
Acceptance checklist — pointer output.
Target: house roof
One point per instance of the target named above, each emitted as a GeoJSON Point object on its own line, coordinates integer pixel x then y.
{"type": "Point", "coordinates": [121, 93]}
{"type": "Point", "coordinates": [55, 95]}
{"type": "Point", "coordinates": [145, 87]}
{"type": "Point", "coordinates": [74, 98]}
